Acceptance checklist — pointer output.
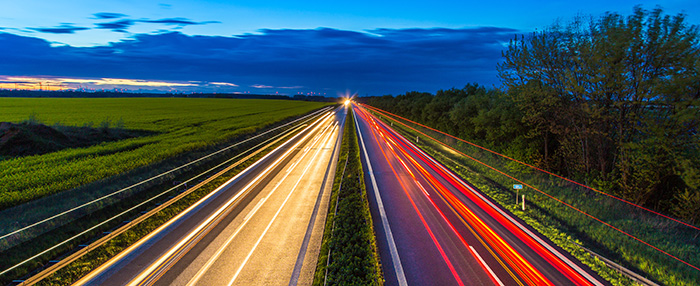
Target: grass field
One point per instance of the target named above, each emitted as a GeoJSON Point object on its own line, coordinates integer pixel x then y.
{"type": "Point", "coordinates": [180, 124]}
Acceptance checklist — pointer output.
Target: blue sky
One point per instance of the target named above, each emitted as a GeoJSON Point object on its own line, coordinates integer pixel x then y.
{"type": "Point", "coordinates": [287, 47]}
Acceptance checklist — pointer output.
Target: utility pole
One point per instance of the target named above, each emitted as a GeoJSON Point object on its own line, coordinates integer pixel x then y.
{"type": "Point", "coordinates": [523, 202]}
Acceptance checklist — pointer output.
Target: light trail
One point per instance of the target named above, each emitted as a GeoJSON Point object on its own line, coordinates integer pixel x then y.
{"type": "Point", "coordinates": [160, 266]}
{"type": "Point", "coordinates": [420, 215]}
{"type": "Point", "coordinates": [386, 113]}
{"type": "Point", "coordinates": [575, 276]}
{"type": "Point", "coordinates": [554, 198]}
{"type": "Point", "coordinates": [395, 259]}
{"type": "Point", "coordinates": [240, 268]}
{"type": "Point", "coordinates": [130, 249]}
{"type": "Point", "coordinates": [517, 262]}
{"type": "Point", "coordinates": [247, 218]}
{"type": "Point", "coordinates": [157, 231]}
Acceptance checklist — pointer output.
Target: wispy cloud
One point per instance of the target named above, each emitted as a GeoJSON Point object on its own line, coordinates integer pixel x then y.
{"type": "Point", "coordinates": [62, 29]}
{"type": "Point", "coordinates": [116, 26]}
{"type": "Point", "coordinates": [261, 86]}
{"type": "Point", "coordinates": [106, 15]}
{"type": "Point", "coordinates": [121, 25]}
{"type": "Point", "coordinates": [224, 84]}
{"type": "Point", "coordinates": [177, 21]}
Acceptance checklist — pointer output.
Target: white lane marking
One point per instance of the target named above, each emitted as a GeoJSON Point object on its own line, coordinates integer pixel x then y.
{"type": "Point", "coordinates": [311, 162]}
{"type": "Point", "coordinates": [143, 275]}
{"type": "Point", "coordinates": [223, 247]}
{"type": "Point", "coordinates": [255, 209]}
{"type": "Point", "coordinates": [127, 251]}
{"type": "Point", "coordinates": [486, 265]}
{"type": "Point", "coordinates": [400, 276]}
{"type": "Point", "coordinates": [523, 228]}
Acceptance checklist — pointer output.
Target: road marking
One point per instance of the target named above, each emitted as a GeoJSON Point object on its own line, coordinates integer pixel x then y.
{"type": "Point", "coordinates": [396, 261]}
{"type": "Point", "coordinates": [221, 249]}
{"type": "Point", "coordinates": [158, 263]}
{"type": "Point", "coordinates": [131, 248]}
{"type": "Point", "coordinates": [238, 272]}
{"type": "Point", "coordinates": [294, 280]}
{"type": "Point", "coordinates": [486, 265]}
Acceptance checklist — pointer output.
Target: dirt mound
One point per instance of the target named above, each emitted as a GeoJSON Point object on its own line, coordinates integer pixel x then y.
{"type": "Point", "coordinates": [24, 139]}
{"type": "Point", "coordinates": [30, 139]}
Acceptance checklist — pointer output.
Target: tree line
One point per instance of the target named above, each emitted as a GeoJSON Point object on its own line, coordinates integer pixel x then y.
{"type": "Point", "coordinates": [612, 101]}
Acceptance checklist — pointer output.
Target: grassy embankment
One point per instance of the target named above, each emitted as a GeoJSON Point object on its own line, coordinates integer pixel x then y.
{"type": "Point", "coordinates": [349, 234]}
{"type": "Point", "coordinates": [566, 227]}
{"type": "Point", "coordinates": [180, 125]}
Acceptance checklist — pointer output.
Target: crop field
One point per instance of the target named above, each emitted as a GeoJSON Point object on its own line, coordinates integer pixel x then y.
{"type": "Point", "coordinates": [177, 125]}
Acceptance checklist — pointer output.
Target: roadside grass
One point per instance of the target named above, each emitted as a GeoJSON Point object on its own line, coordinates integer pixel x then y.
{"type": "Point", "coordinates": [568, 228]}
{"type": "Point", "coordinates": [180, 125]}
{"type": "Point", "coordinates": [349, 236]}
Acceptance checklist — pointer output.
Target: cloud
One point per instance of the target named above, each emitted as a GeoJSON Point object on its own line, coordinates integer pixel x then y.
{"type": "Point", "coordinates": [122, 25]}
{"type": "Point", "coordinates": [224, 84]}
{"type": "Point", "coordinates": [106, 15]}
{"type": "Point", "coordinates": [380, 61]}
{"type": "Point", "coordinates": [177, 22]}
{"type": "Point", "coordinates": [62, 29]}
{"type": "Point", "coordinates": [116, 26]}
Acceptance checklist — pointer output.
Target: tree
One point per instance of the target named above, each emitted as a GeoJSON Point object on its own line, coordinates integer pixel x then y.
{"type": "Point", "coordinates": [614, 98]}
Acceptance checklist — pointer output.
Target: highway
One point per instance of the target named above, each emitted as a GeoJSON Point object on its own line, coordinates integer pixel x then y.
{"type": "Point", "coordinates": [435, 229]}
{"type": "Point", "coordinates": [264, 226]}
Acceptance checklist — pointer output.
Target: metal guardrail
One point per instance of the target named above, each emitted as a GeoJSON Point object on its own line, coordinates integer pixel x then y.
{"type": "Point", "coordinates": [619, 268]}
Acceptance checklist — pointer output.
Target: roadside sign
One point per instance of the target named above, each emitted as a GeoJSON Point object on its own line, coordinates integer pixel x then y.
{"type": "Point", "coordinates": [518, 186]}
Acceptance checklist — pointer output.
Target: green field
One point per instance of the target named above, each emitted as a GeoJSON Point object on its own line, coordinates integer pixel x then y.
{"type": "Point", "coordinates": [180, 125]}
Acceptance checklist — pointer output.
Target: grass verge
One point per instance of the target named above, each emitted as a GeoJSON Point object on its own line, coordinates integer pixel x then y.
{"type": "Point", "coordinates": [349, 254]}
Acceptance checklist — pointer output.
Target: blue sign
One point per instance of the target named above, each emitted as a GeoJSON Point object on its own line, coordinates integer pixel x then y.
{"type": "Point", "coordinates": [518, 186]}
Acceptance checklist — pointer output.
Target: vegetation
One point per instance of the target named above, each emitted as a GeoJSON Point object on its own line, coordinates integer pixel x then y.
{"type": "Point", "coordinates": [179, 125]}
{"type": "Point", "coordinates": [613, 103]}
{"type": "Point", "coordinates": [349, 234]}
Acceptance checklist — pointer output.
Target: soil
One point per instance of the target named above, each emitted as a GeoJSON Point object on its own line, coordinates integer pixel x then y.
{"type": "Point", "coordinates": [26, 139]}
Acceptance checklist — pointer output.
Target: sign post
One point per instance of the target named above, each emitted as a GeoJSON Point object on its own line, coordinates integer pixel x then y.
{"type": "Point", "coordinates": [517, 188]}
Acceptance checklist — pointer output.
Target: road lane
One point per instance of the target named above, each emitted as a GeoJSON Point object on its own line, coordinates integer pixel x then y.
{"type": "Point", "coordinates": [240, 212]}
{"type": "Point", "coordinates": [461, 238]}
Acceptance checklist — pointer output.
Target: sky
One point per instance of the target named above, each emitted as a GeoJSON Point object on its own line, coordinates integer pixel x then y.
{"type": "Point", "coordinates": [285, 47]}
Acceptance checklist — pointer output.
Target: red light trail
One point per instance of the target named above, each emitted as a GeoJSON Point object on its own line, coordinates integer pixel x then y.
{"type": "Point", "coordinates": [487, 236]}
{"type": "Point", "coordinates": [528, 185]}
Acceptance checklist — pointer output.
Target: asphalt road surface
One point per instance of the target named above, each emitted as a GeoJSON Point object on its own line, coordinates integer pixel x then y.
{"type": "Point", "coordinates": [435, 229]}
{"type": "Point", "coordinates": [263, 227]}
